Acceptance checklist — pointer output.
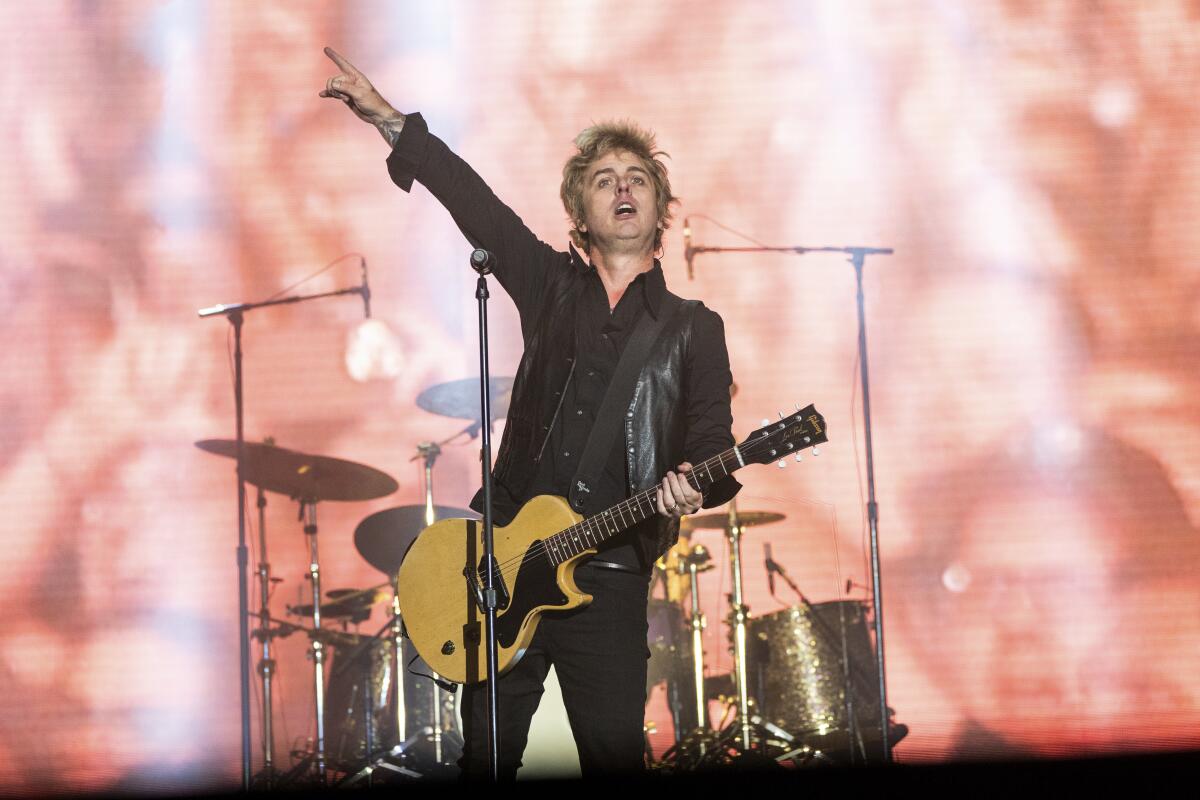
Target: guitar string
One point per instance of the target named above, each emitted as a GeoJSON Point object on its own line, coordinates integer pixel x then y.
{"type": "Point", "coordinates": [628, 506]}
{"type": "Point", "coordinates": [509, 569]}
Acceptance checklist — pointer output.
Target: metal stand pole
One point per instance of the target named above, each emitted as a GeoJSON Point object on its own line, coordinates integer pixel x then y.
{"type": "Point", "coordinates": [235, 314]}
{"type": "Point", "coordinates": [857, 258]}
{"type": "Point", "coordinates": [696, 557]}
{"type": "Point", "coordinates": [243, 555]}
{"type": "Point", "coordinates": [309, 512]}
{"type": "Point", "coordinates": [741, 613]}
{"type": "Point", "coordinates": [399, 704]}
{"type": "Point", "coordinates": [430, 452]}
{"type": "Point", "coordinates": [266, 665]}
{"type": "Point", "coordinates": [480, 263]}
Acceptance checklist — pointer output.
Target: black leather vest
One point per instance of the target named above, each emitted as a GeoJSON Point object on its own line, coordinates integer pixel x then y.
{"type": "Point", "coordinates": [654, 419]}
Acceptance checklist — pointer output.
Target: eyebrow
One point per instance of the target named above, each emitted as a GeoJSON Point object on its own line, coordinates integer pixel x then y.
{"type": "Point", "coordinates": [612, 171]}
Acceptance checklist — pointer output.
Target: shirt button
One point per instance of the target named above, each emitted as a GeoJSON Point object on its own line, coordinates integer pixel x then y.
{"type": "Point", "coordinates": [579, 412]}
{"type": "Point", "coordinates": [591, 372]}
{"type": "Point", "coordinates": [566, 454]}
{"type": "Point", "coordinates": [631, 449]}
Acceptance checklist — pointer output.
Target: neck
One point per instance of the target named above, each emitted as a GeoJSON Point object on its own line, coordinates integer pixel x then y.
{"type": "Point", "coordinates": [617, 270]}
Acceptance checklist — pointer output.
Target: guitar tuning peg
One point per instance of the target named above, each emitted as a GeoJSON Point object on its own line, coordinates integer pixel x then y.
{"type": "Point", "coordinates": [766, 421]}
{"type": "Point", "coordinates": [816, 452]}
{"type": "Point", "coordinates": [782, 463]}
{"type": "Point", "coordinates": [798, 458]}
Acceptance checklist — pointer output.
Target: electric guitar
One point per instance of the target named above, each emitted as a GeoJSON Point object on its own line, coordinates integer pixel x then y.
{"type": "Point", "coordinates": [442, 576]}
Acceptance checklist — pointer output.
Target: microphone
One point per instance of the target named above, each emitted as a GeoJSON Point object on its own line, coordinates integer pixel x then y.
{"type": "Point", "coordinates": [770, 565]}
{"type": "Point", "coordinates": [688, 253]}
{"type": "Point", "coordinates": [483, 261]}
{"type": "Point", "coordinates": [365, 290]}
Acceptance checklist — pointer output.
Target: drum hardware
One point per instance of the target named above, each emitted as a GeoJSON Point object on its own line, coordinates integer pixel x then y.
{"type": "Point", "coordinates": [460, 400]}
{"type": "Point", "coordinates": [350, 605]}
{"type": "Point", "coordinates": [308, 479]}
{"type": "Point", "coordinates": [301, 476]}
{"type": "Point", "coordinates": [746, 519]}
{"type": "Point", "coordinates": [695, 562]}
{"type": "Point", "coordinates": [814, 665]}
{"type": "Point", "coordinates": [382, 539]}
{"type": "Point", "coordinates": [842, 642]}
{"type": "Point", "coordinates": [737, 740]}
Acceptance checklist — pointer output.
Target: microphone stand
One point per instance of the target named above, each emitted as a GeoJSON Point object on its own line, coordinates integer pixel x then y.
{"type": "Point", "coordinates": [489, 558]}
{"type": "Point", "coordinates": [857, 257]}
{"type": "Point", "coordinates": [235, 313]}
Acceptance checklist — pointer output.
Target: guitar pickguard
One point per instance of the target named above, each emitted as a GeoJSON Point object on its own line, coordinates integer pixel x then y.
{"type": "Point", "coordinates": [535, 586]}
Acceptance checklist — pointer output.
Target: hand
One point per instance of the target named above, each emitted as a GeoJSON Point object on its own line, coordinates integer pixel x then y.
{"type": "Point", "coordinates": [676, 496]}
{"type": "Point", "coordinates": [353, 89]}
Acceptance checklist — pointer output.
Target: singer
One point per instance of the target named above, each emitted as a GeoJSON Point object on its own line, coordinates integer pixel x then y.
{"type": "Point", "coordinates": [579, 310]}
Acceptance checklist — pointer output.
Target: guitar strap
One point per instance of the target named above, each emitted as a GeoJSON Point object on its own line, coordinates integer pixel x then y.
{"type": "Point", "coordinates": [610, 416]}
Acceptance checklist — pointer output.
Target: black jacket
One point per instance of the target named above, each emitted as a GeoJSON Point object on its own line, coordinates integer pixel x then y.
{"type": "Point", "coordinates": [656, 422]}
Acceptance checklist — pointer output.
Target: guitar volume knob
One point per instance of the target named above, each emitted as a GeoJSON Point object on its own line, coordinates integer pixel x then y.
{"type": "Point", "coordinates": [447, 648]}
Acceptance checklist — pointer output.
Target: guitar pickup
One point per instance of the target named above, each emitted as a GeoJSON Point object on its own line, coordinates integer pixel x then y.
{"type": "Point", "coordinates": [502, 597]}
{"type": "Point", "coordinates": [477, 581]}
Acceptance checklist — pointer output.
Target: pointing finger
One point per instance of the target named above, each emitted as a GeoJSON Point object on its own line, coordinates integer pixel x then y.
{"type": "Point", "coordinates": [344, 65]}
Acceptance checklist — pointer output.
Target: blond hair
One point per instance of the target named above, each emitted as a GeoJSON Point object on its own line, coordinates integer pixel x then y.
{"type": "Point", "coordinates": [599, 140]}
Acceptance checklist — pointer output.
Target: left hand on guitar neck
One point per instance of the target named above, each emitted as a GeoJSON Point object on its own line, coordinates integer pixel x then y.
{"type": "Point", "coordinates": [676, 496]}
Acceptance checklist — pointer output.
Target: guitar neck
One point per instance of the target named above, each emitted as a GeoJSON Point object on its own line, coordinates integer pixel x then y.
{"type": "Point", "coordinates": [603, 526]}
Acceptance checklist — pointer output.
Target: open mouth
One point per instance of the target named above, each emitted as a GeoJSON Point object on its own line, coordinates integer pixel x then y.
{"type": "Point", "coordinates": [625, 211]}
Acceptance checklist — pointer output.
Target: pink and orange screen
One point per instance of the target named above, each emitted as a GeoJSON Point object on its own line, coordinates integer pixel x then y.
{"type": "Point", "coordinates": [1033, 341]}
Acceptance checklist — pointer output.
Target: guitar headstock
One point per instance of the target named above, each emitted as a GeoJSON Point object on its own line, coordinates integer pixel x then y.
{"type": "Point", "coordinates": [791, 434]}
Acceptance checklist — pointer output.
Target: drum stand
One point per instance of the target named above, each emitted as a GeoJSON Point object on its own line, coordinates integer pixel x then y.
{"type": "Point", "coordinates": [266, 777]}
{"type": "Point", "coordinates": [429, 451]}
{"type": "Point", "coordinates": [694, 560]}
{"type": "Point", "coordinates": [747, 729]}
{"type": "Point", "coordinates": [308, 513]}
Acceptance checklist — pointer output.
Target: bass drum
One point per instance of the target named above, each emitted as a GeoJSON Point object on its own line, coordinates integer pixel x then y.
{"type": "Point", "coordinates": [361, 674]}
{"type": "Point", "coordinates": [811, 667]}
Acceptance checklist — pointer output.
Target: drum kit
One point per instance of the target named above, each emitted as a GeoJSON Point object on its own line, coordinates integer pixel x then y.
{"type": "Point", "coordinates": [380, 713]}
{"type": "Point", "coordinates": [802, 688]}
{"type": "Point", "coordinates": [800, 691]}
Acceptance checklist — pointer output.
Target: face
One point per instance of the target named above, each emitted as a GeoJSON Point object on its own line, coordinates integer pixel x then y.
{"type": "Point", "coordinates": [620, 209]}
{"type": "Point", "coordinates": [1031, 592]}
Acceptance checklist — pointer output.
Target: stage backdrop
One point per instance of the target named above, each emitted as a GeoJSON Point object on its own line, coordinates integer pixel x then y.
{"type": "Point", "coordinates": [1033, 340]}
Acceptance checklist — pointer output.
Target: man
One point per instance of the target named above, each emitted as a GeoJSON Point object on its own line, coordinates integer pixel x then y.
{"type": "Point", "coordinates": [576, 318]}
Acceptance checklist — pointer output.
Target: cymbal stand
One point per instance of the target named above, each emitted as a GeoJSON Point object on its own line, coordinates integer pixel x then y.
{"type": "Point", "coordinates": [430, 452]}
{"type": "Point", "coordinates": [266, 664]}
{"type": "Point", "coordinates": [694, 560]}
{"type": "Point", "coordinates": [308, 513]}
{"type": "Point", "coordinates": [740, 612]}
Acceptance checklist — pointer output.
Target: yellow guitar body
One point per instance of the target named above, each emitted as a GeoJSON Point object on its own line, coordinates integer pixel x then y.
{"type": "Point", "coordinates": [438, 604]}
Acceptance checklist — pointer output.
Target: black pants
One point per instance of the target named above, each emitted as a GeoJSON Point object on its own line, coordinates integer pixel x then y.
{"type": "Point", "coordinates": [599, 654]}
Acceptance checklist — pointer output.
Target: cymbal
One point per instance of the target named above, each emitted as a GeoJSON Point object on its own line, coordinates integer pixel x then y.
{"type": "Point", "coordinates": [346, 603]}
{"type": "Point", "coordinates": [460, 399]}
{"type": "Point", "coordinates": [304, 477]}
{"type": "Point", "coordinates": [384, 537]}
{"type": "Point", "coordinates": [746, 519]}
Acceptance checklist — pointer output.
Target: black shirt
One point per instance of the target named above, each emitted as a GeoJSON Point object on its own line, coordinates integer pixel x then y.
{"type": "Point", "coordinates": [600, 336]}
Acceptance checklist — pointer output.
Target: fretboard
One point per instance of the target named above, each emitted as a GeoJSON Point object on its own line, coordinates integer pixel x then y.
{"type": "Point", "coordinates": [603, 526]}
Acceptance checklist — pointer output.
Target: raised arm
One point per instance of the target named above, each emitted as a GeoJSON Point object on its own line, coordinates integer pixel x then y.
{"type": "Point", "coordinates": [526, 265]}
